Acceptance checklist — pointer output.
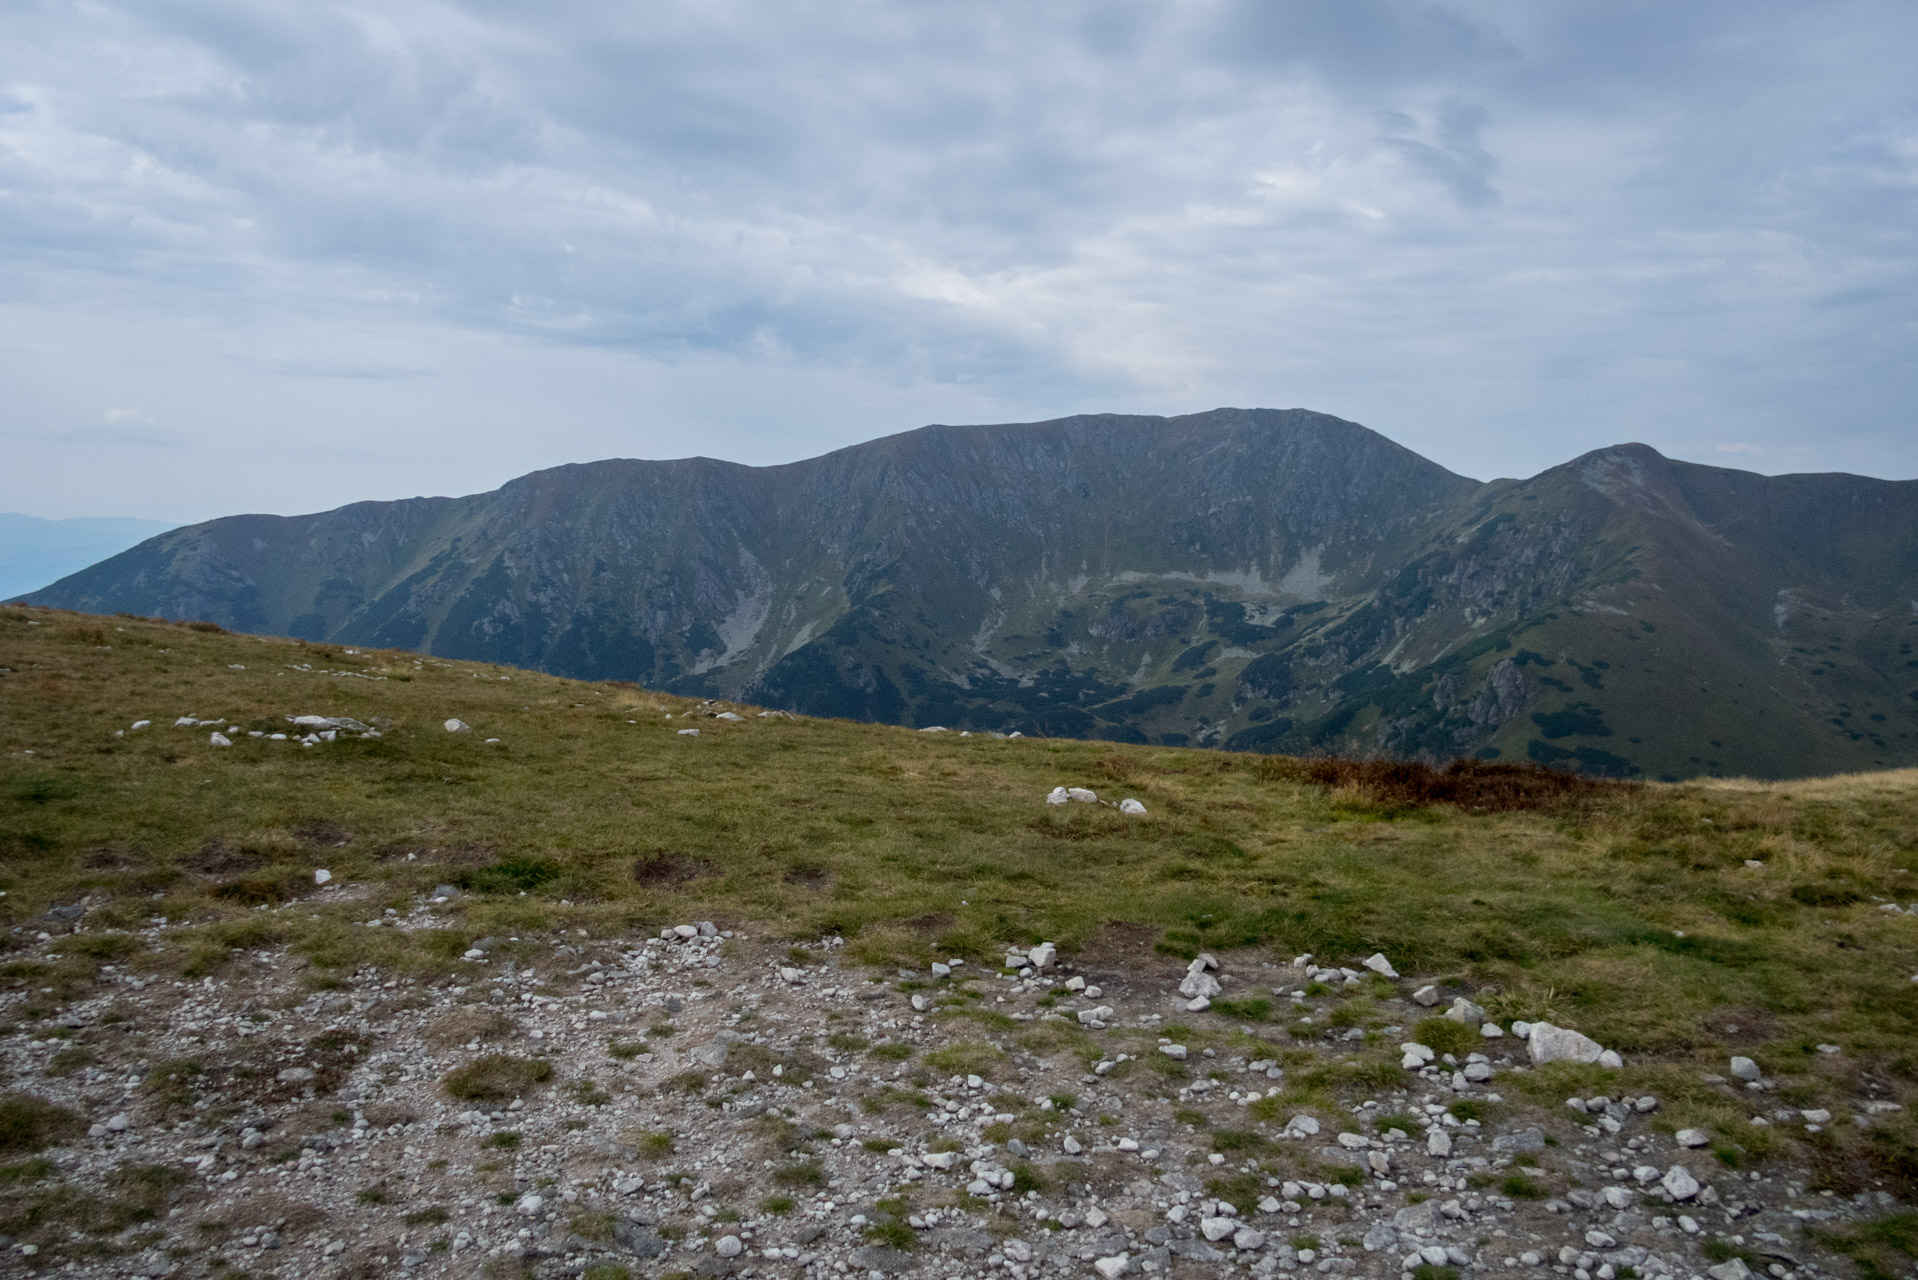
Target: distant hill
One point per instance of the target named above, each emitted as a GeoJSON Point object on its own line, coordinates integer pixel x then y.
{"type": "Point", "coordinates": [1259, 579]}
{"type": "Point", "coordinates": [35, 552]}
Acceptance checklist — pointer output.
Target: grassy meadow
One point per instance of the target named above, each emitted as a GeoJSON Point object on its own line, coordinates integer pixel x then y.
{"type": "Point", "coordinates": [1678, 924]}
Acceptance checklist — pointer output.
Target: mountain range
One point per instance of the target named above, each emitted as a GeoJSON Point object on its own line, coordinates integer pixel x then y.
{"type": "Point", "coordinates": [1253, 579]}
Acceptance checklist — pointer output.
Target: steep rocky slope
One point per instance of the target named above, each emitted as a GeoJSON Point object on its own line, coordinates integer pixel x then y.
{"type": "Point", "coordinates": [1262, 579]}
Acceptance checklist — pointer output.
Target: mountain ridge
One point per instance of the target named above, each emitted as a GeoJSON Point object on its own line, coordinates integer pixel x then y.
{"type": "Point", "coordinates": [1274, 580]}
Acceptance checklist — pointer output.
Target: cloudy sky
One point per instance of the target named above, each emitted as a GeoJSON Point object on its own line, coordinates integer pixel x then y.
{"type": "Point", "coordinates": [283, 254]}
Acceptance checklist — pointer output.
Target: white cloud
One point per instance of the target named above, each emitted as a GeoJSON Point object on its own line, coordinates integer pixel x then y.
{"type": "Point", "coordinates": [1497, 232]}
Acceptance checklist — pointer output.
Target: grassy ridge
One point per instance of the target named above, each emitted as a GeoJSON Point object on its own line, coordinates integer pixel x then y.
{"type": "Point", "coordinates": [1634, 916]}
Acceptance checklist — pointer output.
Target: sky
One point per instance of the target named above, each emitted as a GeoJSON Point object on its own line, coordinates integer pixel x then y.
{"type": "Point", "coordinates": [279, 255]}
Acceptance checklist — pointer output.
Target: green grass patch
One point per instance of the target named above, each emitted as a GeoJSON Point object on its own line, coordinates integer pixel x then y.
{"type": "Point", "coordinates": [497, 1077]}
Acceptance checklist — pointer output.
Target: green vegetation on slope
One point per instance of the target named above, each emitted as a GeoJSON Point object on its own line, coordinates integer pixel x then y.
{"type": "Point", "coordinates": [1675, 923]}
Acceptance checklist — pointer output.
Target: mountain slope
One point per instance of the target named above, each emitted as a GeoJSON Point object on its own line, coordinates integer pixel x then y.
{"type": "Point", "coordinates": [1261, 579]}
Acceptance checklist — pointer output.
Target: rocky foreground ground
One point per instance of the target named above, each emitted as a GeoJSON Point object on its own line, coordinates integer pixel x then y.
{"type": "Point", "coordinates": [714, 1103]}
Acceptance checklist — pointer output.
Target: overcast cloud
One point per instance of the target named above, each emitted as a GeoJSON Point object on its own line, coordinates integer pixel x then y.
{"type": "Point", "coordinates": [283, 254]}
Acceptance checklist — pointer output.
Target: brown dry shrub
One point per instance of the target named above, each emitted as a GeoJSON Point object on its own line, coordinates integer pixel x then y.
{"type": "Point", "coordinates": [1479, 786]}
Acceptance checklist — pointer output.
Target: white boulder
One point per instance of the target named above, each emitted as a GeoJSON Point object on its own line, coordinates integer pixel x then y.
{"type": "Point", "coordinates": [1554, 1044]}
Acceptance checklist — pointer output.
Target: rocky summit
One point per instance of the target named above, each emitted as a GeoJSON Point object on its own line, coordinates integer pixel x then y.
{"type": "Point", "coordinates": [1255, 579]}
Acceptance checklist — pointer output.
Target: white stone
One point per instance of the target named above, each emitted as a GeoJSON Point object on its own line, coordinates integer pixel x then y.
{"type": "Point", "coordinates": [322, 876]}
{"type": "Point", "coordinates": [119, 1123]}
{"type": "Point", "coordinates": [529, 1205]}
{"type": "Point", "coordinates": [1745, 1069]}
{"type": "Point", "coordinates": [1174, 1051]}
{"type": "Point", "coordinates": [689, 733]}
{"type": "Point", "coordinates": [219, 739]}
{"type": "Point", "coordinates": [1197, 1004]}
{"type": "Point", "coordinates": [1112, 1268]}
{"type": "Point", "coordinates": [1072, 1145]}
{"type": "Point", "coordinates": [1199, 983]}
{"type": "Point", "coordinates": [789, 975]}
{"type": "Point", "coordinates": [1554, 1044]}
{"type": "Point", "coordinates": [459, 726]}
{"type": "Point", "coordinates": [295, 1075]}
{"type": "Point", "coordinates": [1818, 1115]}
{"type": "Point", "coordinates": [1083, 794]}
{"type": "Point", "coordinates": [1247, 1239]}
{"type": "Point", "coordinates": [1042, 956]}
{"type": "Point", "coordinates": [1438, 1143]}
{"type": "Point", "coordinates": [1691, 1138]}
{"type": "Point", "coordinates": [1352, 1141]}
{"type": "Point", "coordinates": [1132, 807]}
{"type": "Point", "coordinates": [1427, 995]}
{"type": "Point", "coordinates": [1610, 1058]}
{"type": "Point", "coordinates": [1377, 963]}
{"type": "Point", "coordinates": [1414, 1050]}
{"type": "Point", "coordinates": [1096, 1217]}
{"type": "Point", "coordinates": [1491, 1031]}
{"type": "Point", "coordinates": [1057, 796]}
{"type": "Point", "coordinates": [1217, 1229]}
{"type": "Point", "coordinates": [1733, 1270]}
{"type": "Point", "coordinates": [727, 1246]}
{"type": "Point", "coordinates": [941, 1159]}
{"type": "Point", "coordinates": [1679, 1181]}
{"type": "Point", "coordinates": [1075, 983]}
{"type": "Point", "coordinates": [1303, 1124]}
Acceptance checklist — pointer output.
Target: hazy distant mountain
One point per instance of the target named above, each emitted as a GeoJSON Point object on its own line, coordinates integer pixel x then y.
{"type": "Point", "coordinates": [34, 552]}
{"type": "Point", "coordinates": [1281, 581]}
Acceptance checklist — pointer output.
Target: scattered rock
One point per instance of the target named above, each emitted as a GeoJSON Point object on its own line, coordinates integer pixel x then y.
{"type": "Point", "coordinates": [458, 726]}
{"type": "Point", "coordinates": [1377, 963]}
{"type": "Point", "coordinates": [1679, 1182]}
{"type": "Point", "coordinates": [1132, 807]}
{"type": "Point", "coordinates": [1561, 1044]}
{"type": "Point", "coordinates": [1524, 1142]}
{"type": "Point", "coordinates": [880, 1257]}
{"type": "Point", "coordinates": [1745, 1069]}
